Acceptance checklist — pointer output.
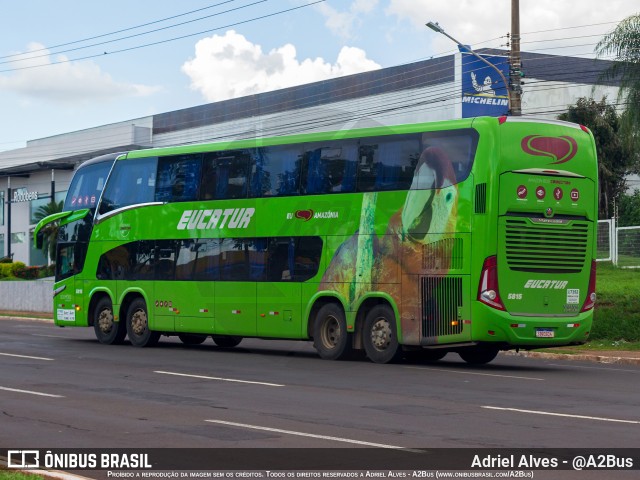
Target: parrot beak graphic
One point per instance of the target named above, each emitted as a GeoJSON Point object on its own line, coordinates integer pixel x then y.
{"type": "Point", "coordinates": [430, 206]}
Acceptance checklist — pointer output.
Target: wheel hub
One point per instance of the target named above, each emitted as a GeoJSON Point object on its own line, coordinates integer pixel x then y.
{"type": "Point", "coordinates": [105, 320]}
{"type": "Point", "coordinates": [381, 334]}
{"type": "Point", "coordinates": [331, 332]}
{"type": "Point", "coordinates": [139, 322]}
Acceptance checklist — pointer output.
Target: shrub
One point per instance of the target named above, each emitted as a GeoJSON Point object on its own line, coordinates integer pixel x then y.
{"type": "Point", "coordinates": [5, 269]}
{"type": "Point", "coordinates": [28, 273]}
{"type": "Point", "coordinates": [17, 267]}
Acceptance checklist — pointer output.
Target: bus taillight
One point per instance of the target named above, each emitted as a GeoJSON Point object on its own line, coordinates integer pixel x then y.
{"type": "Point", "coordinates": [488, 292]}
{"type": "Point", "coordinates": [590, 301]}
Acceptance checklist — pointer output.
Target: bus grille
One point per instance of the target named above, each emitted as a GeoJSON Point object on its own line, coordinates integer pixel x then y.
{"type": "Point", "coordinates": [443, 255]}
{"type": "Point", "coordinates": [546, 248]}
{"type": "Point", "coordinates": [441, 298]}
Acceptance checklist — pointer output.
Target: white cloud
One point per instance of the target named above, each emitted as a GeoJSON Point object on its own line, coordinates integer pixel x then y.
{"type": "Point", "coordinates": [66, 82]}
{"type": "Point", "coordinates": [230, 66]}
{"type": "Point", "coordinates": [343, 23]}
{"type": "Point", "coordinates": [474, 23]}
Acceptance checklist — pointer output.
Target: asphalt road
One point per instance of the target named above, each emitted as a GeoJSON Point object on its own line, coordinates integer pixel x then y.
{"type": "Point", "coordinates": [60, 388]}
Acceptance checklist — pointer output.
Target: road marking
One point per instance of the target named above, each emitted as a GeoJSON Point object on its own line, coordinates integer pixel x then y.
{"type": "Point", "coordinates": [220, 379]}
{"type": "Point", "coordinates": [31, 393]}
{"type": "Point", "coordinates": [49, 336]}
{"type": "Point", "coordinates": [313, 435]}
{"type": "Point", "coordinates": [584, 417]}
{"type": "Point", "coordinates": [26, 356]}
{"type": "Point", "coordinates": [477, 373]}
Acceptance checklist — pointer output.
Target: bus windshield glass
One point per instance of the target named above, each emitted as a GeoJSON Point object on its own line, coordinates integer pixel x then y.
{"type": "Point", "coordinates": [86, 186]}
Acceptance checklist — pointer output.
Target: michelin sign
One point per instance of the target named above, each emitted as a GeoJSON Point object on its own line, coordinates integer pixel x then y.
{"type": "Point", "coordinates": [483, 90]}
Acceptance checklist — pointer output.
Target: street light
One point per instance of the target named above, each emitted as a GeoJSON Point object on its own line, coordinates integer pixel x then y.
{"type": "Point", "coordinates": [437, 28]}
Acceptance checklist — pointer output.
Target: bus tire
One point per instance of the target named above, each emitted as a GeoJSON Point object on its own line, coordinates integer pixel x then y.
{"type": "Point", "coordinates": [192, 338]}
{"type": "Point", "coordinates": [226, 341]}
{"type": "Point", "coordinates": [478, 355]}
{"type": "Point", "coordinates": [330, 336]}
{"type": "Point", "coordinates": [138, 325]}
{"type": "Point", "coordinates": [107, 330]}
{"type": "Point", "coordinates": [379, 335]}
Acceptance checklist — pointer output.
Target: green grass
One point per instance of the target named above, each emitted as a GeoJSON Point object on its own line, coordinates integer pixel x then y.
{"type": "Point", "coordinates": [16, 475]}
{"type": "Point", "coordinates": [617, 313]}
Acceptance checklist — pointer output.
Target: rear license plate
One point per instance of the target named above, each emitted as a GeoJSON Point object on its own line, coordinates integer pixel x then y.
{"type": "Point", "coordinates": [545, 333]}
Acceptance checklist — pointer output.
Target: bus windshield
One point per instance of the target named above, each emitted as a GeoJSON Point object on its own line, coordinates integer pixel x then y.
{"type": "Point", "coordinates": [86, 186]}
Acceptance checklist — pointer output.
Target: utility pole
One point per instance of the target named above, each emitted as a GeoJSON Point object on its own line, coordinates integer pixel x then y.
{"type": "Point", "coordinates": [515, 90]}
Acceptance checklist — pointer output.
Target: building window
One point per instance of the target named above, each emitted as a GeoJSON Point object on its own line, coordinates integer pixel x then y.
{"type": "Point", "coordinates": [17, 237]}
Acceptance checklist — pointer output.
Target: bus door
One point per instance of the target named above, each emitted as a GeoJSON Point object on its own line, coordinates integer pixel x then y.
{"type": "Point", "coordinates": [73, 235]}
{"type": "Point", "coordinates": [235, 301]}
{"type": "Point", "coordinates": [193, 291]}
{"type": "Point", "coordinates": [279, 296]}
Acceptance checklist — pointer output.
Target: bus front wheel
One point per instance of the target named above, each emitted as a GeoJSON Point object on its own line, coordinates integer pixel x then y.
{"type": "Point", "coordinates": [107, 330]}
{"type": "Point", "coordinates": [138, 325]}
{"type": "Point", "coordinates": [379, 336]}
{"type": "Point", "coordinates": [478, 355]}
{"type": "Point", "coordinates": [330, 337]}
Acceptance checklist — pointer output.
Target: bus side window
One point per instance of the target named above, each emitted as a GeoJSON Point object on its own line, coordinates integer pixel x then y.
{"type": "Point", "coordinates": [178, 178]}
{"type": "Point", "coordinates": [308, 251]}
{"type": "Point", "coordinates": [132, 182]}
{"type": "Point", "coordinates": [387, 164]}
{"type": "Point", "coordinates": [280, 261]}
{"type": "Point", "coordinates": [114, 264]}
{"type": "Point", "coordinates": [329, 168]}
{"type": "Point", "coordinates": [276, 172]}
{"type": "Point", "coordinates": [226, 175]}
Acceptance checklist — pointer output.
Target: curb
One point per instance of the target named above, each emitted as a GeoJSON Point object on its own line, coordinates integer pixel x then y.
{"type": "Point", "coordinates": [32, 319]}
{"type": "Point", "coordinates": [579, 357]}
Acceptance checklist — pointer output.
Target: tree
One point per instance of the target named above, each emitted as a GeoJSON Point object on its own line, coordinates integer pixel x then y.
{"type": "Point", "coordinates": [623, 43]}
{"type": "Point", "coordinates": [49, 231]}
{"type": "Point", "coordinates": [615, 159]}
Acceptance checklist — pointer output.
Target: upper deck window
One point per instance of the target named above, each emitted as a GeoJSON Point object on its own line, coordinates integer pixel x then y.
{"type": "Point", "coordinates": [132, 182]}
{"type": "Point", "coordinates": [178, 178]}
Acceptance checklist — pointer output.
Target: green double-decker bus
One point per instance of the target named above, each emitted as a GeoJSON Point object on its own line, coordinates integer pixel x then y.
{"type": "Point", "coordinates": [469, 236]}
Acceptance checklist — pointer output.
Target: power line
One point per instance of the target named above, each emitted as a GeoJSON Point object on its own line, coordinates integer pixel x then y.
{"type": "Point", "coordinates": [160, 42]}
{"type": "Point", "coordinates": [116, 31]}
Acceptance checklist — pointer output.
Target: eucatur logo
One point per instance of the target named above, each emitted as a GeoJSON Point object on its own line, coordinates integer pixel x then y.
{"type": "Point", "coordinates": [305, 215]}
{"type": "Point", "coordinates": [560, 149]}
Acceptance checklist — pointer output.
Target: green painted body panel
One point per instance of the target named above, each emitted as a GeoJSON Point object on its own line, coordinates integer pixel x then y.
{"type": "Point", "coordinates": [422, 250]}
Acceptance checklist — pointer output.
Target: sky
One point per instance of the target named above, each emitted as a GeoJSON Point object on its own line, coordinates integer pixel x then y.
{"type": "Point", "coordinates": [71, 65]}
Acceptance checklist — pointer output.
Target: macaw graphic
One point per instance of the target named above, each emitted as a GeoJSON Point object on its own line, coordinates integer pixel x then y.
{"type": "Point", "coordinates": [486, 89]}
{"type": "Point", "coordinates": [392, 262]}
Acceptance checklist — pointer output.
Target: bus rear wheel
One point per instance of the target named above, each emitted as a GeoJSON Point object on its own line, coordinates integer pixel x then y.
{"type": "Point", "coordinates": [478, 355]}
{"type": "Point", "coordinates": [138, 325]}
{"type": "Point", "coordinates": [330, 337]}
{"type": "Point", "coordinates": [226, 341]}
{"type": "Point", "coordinates": [192, 338]}
{"type": "Point", "coordinates": [107, 330]}
{"type": "Point", "coordinates": [379, 336]}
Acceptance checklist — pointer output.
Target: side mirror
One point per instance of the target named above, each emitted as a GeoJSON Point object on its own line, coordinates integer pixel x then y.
{"type": "Point", "coordinates": [39, 240]}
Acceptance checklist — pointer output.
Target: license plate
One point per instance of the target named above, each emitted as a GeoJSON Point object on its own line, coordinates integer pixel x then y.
{"type": "Point", "coordinates": [545, 333]}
